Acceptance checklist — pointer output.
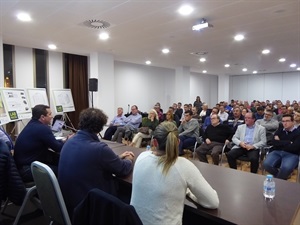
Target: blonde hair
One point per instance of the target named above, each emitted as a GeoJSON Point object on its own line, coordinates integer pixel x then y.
{"type": "Point", "coordinates": [166, 135]}
{"type": "Point", "coordinates": [152, 111]}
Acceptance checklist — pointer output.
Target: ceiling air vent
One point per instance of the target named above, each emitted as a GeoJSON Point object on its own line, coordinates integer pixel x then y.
{"type": "Point", "coordinates": [96, 24]}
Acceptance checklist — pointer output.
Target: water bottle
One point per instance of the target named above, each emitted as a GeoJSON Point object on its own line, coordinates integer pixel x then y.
{"type": "Point", "coordinates": [148, 148]}
{"type": "Point", "coordinates": [269, 187]}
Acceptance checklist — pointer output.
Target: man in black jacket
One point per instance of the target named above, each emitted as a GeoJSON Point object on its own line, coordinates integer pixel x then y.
{"type": "Point", "coordinates": [286, 144]}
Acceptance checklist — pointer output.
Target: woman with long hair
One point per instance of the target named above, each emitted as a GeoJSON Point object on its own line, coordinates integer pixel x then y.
{"type": "Point", "coordinates": [161, 181]}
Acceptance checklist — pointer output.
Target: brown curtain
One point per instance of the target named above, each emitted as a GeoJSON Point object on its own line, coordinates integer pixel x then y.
{"type": "Point", "coordinates": [76, 79]}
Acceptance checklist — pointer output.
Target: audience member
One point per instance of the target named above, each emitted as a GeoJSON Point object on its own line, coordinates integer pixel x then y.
{"type": "Point", "coordinates": [148, 125]}
{"type": "Point", "coordinates": [282, 111]}
{"type": "Point", "coordinates": [132, 122]}
{"type": "Point", "coordinates": [222, 114]}
{"type": "Point", "coordinates": [270, 124]}
{"type": "Point", "coordinates": [207, 120]}
{"type": "Point", "coordinates": [286, 148]}
{"type": "Point", "coordinates": [34, 141]}
{"type": "Point", "coordinates": [236, 119]}
{"type": "Point", "coordinates": [117, 121]}
{"type": "Point", "coordinates": [170, 117]}
{"type": "Point", "coordinates": [204, 112]}
{"type": "Point", "coordinates": [215, 135]}
{"type": "Point", "coordinates": [259, 113]}
{"type": "Point", "coordinates": [179, 110]}
{"type": "Point", "coordinates": [5, 137]}
{"type": "Point", "coordinates": [159, 113]}
{"type": "Point", "coordinates": [247, 140]}
{"type": "Point", "coordinates": [86, 163]}
{"type": "Point", "coordinates": [185, 108]}
{"type": "Point", "coordinates": [161, 181]}
{"type": "Point", "coordinates": [188, 131]}
{"type": "Point", "coordinates": [297, 119]}
{"type": "Point", "coordinates": [198, 104]}
{"type": "Point", "coordinates": [195, 114]}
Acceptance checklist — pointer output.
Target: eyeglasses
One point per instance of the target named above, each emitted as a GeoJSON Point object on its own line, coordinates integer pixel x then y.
{"type": "Point", "coordinates": [285, 121]}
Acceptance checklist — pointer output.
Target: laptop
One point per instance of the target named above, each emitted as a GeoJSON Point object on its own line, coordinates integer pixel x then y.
{"type": "Point", "coordinates": [57, 126]}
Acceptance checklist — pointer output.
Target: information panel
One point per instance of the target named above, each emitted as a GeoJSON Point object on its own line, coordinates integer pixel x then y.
{"type": "Point", "coordinates": [3, 116]}
{"type": "Point", "coordinates": [37, 96]}
{"type": "Point", "coordinates": [63, 100]}
{"type": "Point", "coordinates": [16, 104]}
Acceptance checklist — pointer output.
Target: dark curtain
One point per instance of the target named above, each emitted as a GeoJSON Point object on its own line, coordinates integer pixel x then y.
{"type": "Point", "coordinates": [76, 79]}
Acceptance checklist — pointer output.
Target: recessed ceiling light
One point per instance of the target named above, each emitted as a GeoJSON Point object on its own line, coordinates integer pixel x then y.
{"type": "Point", "coordinates": [281, 60]}
{"type": "Point", "coordinates": [148, 62]}
{"type": "Point", "coordinates": [25, 17]}
{"type": "Point", "coordinates": [298, 68]}
{"type": "Point", "coordinates": [165, 51]}
{"type": "Point", "coordinates": [227, 65]}
{"type": "Point", "coordinates": [202, 59]}
{"type": "Point", "coordinates": [255, 72]}
{"type": "Point", "coordinates": [265, 51]}
{"type": "Point", "coordinates": [204, 71]}
{"type": "Point", "coordinates": [239, 37]}
{"type": "Point", "coordinates": [185, 10]}
{"type": "Point", "coordinates": [104, 36]}
{"type": "Point", "coordinates": [293, 65]}
{"type": "Point", "coordinates": [52, 46]}
{"type": "Point", "coordinates": [245, 69]}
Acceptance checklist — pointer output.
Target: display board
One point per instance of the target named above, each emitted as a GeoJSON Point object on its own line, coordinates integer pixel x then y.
{"type": "Point", "coordinates": [16, 104]}
{"type": "Point", "coordinates": [37, 96]}
{"type": "Point", "coordinates": [3, 116]}
{"type": "Point", "coordinates": [63, 100]}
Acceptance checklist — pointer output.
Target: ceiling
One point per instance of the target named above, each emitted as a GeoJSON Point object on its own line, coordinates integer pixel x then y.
{"type": "Point", "coordinates": [140, 29]}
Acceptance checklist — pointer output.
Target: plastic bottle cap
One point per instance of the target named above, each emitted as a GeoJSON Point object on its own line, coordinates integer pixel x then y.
{"type": "Point", "coordinates": [269, 176]}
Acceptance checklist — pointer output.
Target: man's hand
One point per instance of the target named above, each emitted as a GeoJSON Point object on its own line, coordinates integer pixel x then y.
{"type": "Point", "coordinates": [207, 141]}
{"type": "Point", "coordinates": [249, 147]}
{"type": "Point", "coordinates": [127, 155]}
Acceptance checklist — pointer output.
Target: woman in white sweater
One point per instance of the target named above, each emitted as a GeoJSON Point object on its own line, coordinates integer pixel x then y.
{"type": "Point", "coordinates": [161, 181]}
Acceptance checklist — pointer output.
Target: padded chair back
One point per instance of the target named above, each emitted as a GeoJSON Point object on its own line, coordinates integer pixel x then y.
{"type": "Point", "coordinates": [49, 193]}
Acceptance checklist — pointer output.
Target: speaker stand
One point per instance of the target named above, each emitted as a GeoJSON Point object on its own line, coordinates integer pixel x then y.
{"type": "Point", "coordinates": [92, 99]}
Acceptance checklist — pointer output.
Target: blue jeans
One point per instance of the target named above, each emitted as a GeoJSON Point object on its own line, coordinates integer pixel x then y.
{"type": "Point", "coordinates": [185, 142]}
{"type": "Point", "coordinates": [280, 163]}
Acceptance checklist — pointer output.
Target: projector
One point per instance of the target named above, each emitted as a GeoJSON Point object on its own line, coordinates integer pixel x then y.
{"type": "Point", "coordinates": [201, 25]}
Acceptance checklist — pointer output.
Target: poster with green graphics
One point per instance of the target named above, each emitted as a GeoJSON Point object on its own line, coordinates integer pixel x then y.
{"type": "Point", "coordinates": [16, 104]}
{"type": "Point", "coordinates": [63, 100]}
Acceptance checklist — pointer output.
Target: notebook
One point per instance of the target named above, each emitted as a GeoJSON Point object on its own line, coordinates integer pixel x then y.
{"type": "Point", "coordinates": [58, 125]}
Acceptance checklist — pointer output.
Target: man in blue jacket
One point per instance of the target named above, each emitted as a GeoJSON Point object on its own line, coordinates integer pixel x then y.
{"type": "Point", "coordinates": [34, 141]}
{"type": "Point", "coordinates": [86, 163]}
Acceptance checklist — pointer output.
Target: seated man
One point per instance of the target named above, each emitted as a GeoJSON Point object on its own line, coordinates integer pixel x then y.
{"type": "Point", "coordinates": [215, 135]}
{"type": "Point", "coordinates": [131, 123]}
{"type": "Point", "coordinates": [207, 120]}
{"type": "Point", "coordinates": [117, 121]}
{"type": "Point", "coordinates": [6, 139]}
{"type": "Point", "coordinates": [188, 131]}
{"type": "Point", "coordinates": [269, 123]}
{"type": "Point", "coordinates": [223, 114]}
{"type": "Point", "coordinates": [235, 119]}
{"type": "Point", "coordinates": [86, 163]}
{"type": "Point", "coordinates": [286, 144]}
{"type": "Point", "coordinates": [248, 139]}
{"type": "Point", "coordinates": [34, 141]}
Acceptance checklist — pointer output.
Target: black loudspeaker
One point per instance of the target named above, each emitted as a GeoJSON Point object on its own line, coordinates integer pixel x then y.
{"type": "Point", "coordinates": [93, 84]}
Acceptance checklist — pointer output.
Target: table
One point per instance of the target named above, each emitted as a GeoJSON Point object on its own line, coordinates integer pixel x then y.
{"type": "Point", "coordinates": [241, 196]}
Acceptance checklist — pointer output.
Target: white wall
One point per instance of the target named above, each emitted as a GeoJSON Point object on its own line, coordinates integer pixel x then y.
{"type": "Point", "coordinates": [206, 86]}
{"type": "Point", "coordinates": [143, 86]}
{"type": "Point", "coordinates": [283, 86]}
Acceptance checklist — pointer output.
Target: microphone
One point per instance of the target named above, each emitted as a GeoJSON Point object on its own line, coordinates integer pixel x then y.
{"type": "Point", "coordinates": [128, 109]}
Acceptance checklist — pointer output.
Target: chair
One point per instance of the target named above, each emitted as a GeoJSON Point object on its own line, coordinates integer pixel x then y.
{"type": "Point", "coordinates": [49, 193]}
{"type": "Point", "coordinates": [12, 188]}
{"type": "Point", "coordinates": [29, 196]}
{"type": "Point", "coordinates": [99, 207]}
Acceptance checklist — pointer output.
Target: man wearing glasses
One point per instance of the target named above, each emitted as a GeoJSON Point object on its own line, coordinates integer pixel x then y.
{"type": "Point", "coordinates": [248, 139]}
{"type": "Point", "coordinates": [286, 144]}
{"type": "Point", "coordinates": [269, 123]}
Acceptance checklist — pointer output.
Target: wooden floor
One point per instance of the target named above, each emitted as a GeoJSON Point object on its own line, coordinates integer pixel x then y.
{"type": "Point", "coordinates": [244, 166]}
